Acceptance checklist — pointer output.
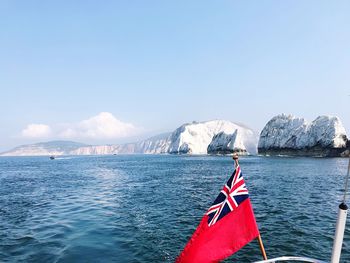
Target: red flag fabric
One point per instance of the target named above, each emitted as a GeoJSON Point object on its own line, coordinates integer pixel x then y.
{"type": "Point", "coordinates": [228, 225]}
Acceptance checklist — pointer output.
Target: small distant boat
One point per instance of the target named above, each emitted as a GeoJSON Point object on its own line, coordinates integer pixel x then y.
{"type": "Point", "coordinates": [52, 157]}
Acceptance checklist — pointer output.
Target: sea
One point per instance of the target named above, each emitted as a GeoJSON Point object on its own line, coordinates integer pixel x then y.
{"type": "Point", "coordinates": [144, 208]}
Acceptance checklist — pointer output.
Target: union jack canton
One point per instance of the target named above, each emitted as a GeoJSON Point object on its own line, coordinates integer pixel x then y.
{"type": "Point", "coordinates": [233, 193]}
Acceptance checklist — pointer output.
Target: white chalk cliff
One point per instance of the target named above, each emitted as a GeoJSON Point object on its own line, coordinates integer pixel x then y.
{"type": "Point", "coordinates": [199, 138]}
{"type": "Point", "coordinates": [154, 145]}
{"type": "Point", "coordinates": [191, 138]}
{"type": "Point", "coordinates": [215, 137]}
{"type": "Point", "coordinates": [286, 134]}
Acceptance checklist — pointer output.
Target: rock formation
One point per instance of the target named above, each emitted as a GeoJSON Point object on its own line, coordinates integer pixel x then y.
{"type": "Point", "coordinates": [288, 135]}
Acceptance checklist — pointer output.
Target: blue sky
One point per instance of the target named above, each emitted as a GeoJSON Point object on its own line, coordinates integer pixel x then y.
{"type": "Point", "coordinates": [152, 65]}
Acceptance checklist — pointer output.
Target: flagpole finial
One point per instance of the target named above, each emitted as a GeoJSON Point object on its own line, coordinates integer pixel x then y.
{"type": "Point", "coordinates": [235, 158]}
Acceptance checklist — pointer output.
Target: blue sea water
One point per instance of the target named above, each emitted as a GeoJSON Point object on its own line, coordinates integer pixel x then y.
{"type": "Point", "coordinates": [143, 208]}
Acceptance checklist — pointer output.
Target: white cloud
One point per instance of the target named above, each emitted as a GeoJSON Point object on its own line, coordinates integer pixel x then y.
{"type": "Point", "coordinates": [100, 127]}
{"type": "Point", "coordinates": [36, 131]}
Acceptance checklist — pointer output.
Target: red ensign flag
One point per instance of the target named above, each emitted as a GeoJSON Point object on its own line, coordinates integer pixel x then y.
{"type": "Point", "coordinates": [228, 225]}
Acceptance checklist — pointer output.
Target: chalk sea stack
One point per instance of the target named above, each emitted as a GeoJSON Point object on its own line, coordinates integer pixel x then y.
{"type": "Point", "coordinates": [289, 135]}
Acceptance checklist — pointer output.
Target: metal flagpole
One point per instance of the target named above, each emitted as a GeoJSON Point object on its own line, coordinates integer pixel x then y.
{"type": "Point", "coordinates": [261, 245]}
{"type": "Point", "coordinates": [340, 227]}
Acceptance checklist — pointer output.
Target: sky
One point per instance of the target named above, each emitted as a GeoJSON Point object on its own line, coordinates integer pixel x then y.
{"type": "Point", "coordinates": [119, 71]}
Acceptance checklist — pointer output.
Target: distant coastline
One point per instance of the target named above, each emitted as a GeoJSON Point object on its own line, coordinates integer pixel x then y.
{"type": "Point", "coordinates": [283, 135]}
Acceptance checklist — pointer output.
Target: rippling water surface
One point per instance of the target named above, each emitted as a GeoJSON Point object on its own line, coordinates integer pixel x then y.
{"type": "Point", "coordinates": [143, 208]}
